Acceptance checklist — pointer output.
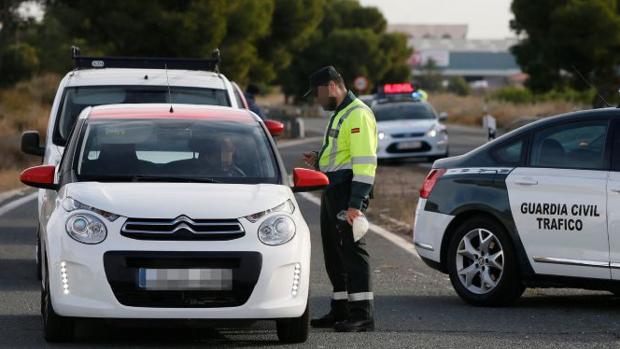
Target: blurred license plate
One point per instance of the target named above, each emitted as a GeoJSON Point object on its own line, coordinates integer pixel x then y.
{"type": "Point", "coordinates": [185, 279]}
{"type": "Point", "coordinates": [409, 145]}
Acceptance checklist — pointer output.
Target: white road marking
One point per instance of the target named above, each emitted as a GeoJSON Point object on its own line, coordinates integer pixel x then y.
{"type": "Point", "coordinates": [394, 221]}
{"type": "Point", "coordinates": [16, 203]}
{"type": "Point", "coordinates": [384, 233]}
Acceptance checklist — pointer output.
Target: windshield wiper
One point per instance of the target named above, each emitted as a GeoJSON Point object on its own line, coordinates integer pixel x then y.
{"type": "Point", "coordinates": [142, 178]}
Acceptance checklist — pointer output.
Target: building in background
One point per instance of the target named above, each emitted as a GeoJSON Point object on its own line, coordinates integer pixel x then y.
{"type": "Point", "coordinates": [482, 63]}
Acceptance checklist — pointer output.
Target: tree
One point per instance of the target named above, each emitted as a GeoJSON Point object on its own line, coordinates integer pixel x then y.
{"type": "Point", "coordinates": [18, 59]}
{"type": "Point", "coordinates": [566, 37]}
{"type": "Point", "coordinates": [353, 39]}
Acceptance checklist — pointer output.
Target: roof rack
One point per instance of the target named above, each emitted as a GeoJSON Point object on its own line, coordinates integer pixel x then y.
{"type": "Point", "coordinates": [85, 62]}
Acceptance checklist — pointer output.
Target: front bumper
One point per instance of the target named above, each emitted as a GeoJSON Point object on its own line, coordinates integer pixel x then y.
{"type": "Point", "coordinates": [103, 282]}
{"type": "Point", "coordinates": [429, 146]}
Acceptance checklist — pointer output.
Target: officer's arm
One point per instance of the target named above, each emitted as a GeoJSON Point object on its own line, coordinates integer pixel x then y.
{"type": "Point", "coordinates": [363, 144]}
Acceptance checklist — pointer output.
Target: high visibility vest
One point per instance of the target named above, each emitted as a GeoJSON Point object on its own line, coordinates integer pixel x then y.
{"type": "Point", "coordinates": [351, 143]}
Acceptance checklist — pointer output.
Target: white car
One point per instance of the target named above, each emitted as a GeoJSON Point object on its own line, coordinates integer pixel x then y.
{"type": "Point", "coordinates": [112, 80]}
{"type": "Point", "coordinates": [178, 213]}
{"type": "Point", "coordinates": [537, 207]}
{"type": "Point", "coordinates": [410, 129]}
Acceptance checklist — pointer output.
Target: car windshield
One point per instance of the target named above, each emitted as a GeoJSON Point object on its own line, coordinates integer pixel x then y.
{"type": "Point", "coordinates": [168, 150]}
{"type": "Point", "coordinates": [404, 111]}
{"type": "Point", "coordinates": [77, 98]}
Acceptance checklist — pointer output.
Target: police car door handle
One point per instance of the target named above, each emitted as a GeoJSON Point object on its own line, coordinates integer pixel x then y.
{"type": "Point", "coordinates": [526, 181]}
{"type": "Point", "coordinates": [615, 190]}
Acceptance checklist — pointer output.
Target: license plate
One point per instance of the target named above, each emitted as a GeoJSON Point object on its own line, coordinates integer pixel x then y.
{"type": "Point", "coordinates": [185, 279]}
{"type": "Point", "coordinates": [409, 145]}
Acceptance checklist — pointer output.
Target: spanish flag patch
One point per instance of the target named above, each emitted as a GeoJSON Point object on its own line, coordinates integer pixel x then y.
{"type": "Point", "coordinates": [355, 130]}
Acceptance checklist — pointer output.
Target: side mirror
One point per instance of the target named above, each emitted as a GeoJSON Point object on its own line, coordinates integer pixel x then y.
{"type": "Point", "coordinates": [275, 127]}
{"type": "Point", "coordinates": [31, 143]}
{"type": "Point", "coordinates": [40, 177]}
{"type": "Point", "coordinates": [308, 180]}
{"type": "Point", "coordinates": [443, 116]}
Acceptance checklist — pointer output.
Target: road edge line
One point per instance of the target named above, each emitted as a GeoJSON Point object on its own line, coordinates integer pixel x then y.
{"type": "Point", "coordinates": [11, 205]}
{"type": "Point", "coordinates": [384, 233]}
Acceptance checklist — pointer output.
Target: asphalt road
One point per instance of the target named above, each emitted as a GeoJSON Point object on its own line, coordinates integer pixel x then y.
{"type": "Point", "coordinates": [415, 306]}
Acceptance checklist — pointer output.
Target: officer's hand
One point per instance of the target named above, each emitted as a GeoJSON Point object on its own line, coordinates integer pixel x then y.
{"type": "Point", "coordinates": [310, 159]}
{"type": "Point", "coordinates": [353, 213]}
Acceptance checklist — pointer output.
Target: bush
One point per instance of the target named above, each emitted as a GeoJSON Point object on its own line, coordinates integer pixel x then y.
{"type": "Point", "coordinates": [512, 94]}
{"type": "Point", "coordinates": [18, 62]}
{"type": "Point", "coordinates": [519, 95]}
{"type": "Point", "coordinates": [458, 86]}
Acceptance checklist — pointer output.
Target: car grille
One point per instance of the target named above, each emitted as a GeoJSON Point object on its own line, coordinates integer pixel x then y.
{"type": "Point", "coordinates": [408, 135]}
{"type": "Point", "coordinates": [182, 228]}
{"type": "Point", "coordinates": [122, 270]}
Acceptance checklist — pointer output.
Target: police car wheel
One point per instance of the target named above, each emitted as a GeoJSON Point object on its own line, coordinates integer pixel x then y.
{"type": "Point", "coordinates": [482, 264]}
{"type": "Point", "coordinates": [294, 330]}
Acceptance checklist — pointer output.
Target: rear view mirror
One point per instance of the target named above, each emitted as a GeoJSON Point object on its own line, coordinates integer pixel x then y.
{"type": "Point", "coordinates": [275, 127]}
{"type": "Point", "coordinates": [39, 177]}
{"type": "Point", "coordinates": [443, 116]}
{"type": "Point", "coordinates": [31, 143]}
{"type": "Point", "coordinates": [308, 180]}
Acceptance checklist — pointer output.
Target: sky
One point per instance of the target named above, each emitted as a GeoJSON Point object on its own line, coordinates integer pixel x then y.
{"type": "Point", "coordinates": [487, 19]}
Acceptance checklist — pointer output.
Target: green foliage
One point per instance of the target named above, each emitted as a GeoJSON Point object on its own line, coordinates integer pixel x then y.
{"type": "Point", "coordinates": [458, 86]}
{"type": "Point", "coordinates": [353, 39]}
{"type": "Point", "coordinates": [519, 95]}
{"type": "Point", "coordinates": [565, 36]}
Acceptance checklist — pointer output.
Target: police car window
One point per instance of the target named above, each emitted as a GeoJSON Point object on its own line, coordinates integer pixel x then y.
{"type": "Point", "coordinates": [509, 154]}
{"type": "Point", "coordinates": [152, 149]}
{"type": "Point", "coordinates": [404, 111]}
{"type": "Point", "coordinates": [77, 98]}
{"type": "Point", "coordinates": [579, 146]}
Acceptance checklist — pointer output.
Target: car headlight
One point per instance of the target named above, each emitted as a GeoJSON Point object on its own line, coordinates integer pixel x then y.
{"type": "Point", "coordinates": [287, 206]}
{"type": "Point", "coordinates": [70, 205]}
{"type": "Point", "coordinates": [381, 135]}
{"type": "Point", "coordinates": [86, 228]}
{"type": "Point", "coordinates": [432, 132]}
{"type": "Point", "coordinates": [436, 130]}
{"type": "Point", "coordinates": [276, 230]}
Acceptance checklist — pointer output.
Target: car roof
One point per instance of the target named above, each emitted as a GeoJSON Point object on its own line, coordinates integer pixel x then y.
{"type": "Point", "coordinates": [163, 111]}
{"type": "Point", "coordinates": [145, 77]}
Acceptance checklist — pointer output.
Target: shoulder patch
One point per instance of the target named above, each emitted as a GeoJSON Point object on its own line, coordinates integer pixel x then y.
{"type": "Point", "coordinates": [355, 130]}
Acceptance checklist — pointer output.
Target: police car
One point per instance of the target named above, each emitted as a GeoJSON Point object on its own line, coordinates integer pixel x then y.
{"type": "Point", "coordinates": [408, 127]}
{"type": "Point", "coordinates": [539, 206]}
{"type": "Point", "coordinates": [183, 213]}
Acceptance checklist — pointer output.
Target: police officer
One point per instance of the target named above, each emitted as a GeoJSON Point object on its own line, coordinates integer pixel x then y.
{"type": "Point", "coordinates": [417, 89]}
{"type": "Point", "coordinates": [348, 158]}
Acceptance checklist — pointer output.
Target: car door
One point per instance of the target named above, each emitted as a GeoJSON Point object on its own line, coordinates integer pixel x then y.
{"type": "Point", "coordinates": [613, 203]}
{"type": "Point", "coordinates": [559, 199]}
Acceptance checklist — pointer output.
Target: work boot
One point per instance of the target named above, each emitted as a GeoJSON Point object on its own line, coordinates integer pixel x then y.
{"type": "Point", "coordinates": [365, 325]}
{"type": "Point", "coordinates": [326, 321]}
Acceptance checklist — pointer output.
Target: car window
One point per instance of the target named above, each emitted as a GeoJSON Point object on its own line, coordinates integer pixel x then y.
{"type": "Point", "coordinates": [616, 147]}
{"type": "Point", "coordinates": [238, 98]}
{"type": "Point", "coordinates": [575, 145]}
{"type": "Point", "coordinates": [183, 150]}
{"type": "Point", "coordinates": [77, 98]}
{"type": "Point", "coordinates": [404, 111]}
{"type": "Point", "coordinates": [509, 153]}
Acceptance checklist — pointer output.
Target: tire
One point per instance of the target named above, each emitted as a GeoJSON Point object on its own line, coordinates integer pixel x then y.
{"type": "Point", "coordinates": [294, 330]}
{"type": "Point", "coordinates": [489, 275]}
{"type": "Point", "coordinates": [38, 256]}
{"type": "Point", "coordinates": [56, 328]}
